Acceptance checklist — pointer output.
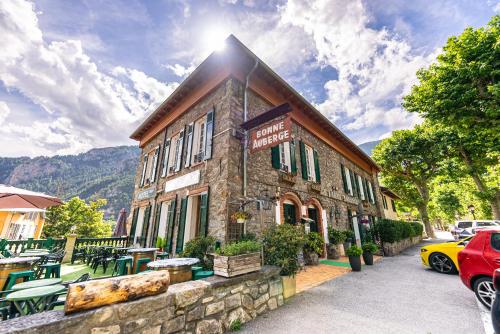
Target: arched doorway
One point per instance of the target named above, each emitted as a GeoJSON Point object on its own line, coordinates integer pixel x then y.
{"type": "Point", "coordinates": [290, 209]}
{"type": "Point", "coordinates": [315, 214]}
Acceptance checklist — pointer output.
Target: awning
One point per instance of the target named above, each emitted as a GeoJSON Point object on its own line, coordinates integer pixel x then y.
{"type": "Point", "coordinates": [12, 197]}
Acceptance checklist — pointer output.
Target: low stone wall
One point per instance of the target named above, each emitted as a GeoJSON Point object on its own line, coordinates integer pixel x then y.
{"type": "Point", "coordinates": [204, 306]}
{"type": "Point", "coordinates": [394, 248]}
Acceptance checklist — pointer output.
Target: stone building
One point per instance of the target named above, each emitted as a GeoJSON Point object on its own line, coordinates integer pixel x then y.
{"type": "Point", "coordinates": [193, 174]}
{"type": "Point", "coordinates": [389, 203]}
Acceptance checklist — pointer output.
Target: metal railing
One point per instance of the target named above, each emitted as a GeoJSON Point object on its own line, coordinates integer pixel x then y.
{"type": "Point", "coordinates": [19, 246]}
{"type": "Point", "coordinates": [111, 241]}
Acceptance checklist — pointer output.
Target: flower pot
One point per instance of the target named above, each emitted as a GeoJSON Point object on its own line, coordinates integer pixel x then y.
{"type": "Point", "coordinates": [240, 220]}
{"type": "Point", "coordinates": [289, 286]}
{"type": "Point", "coordinates": [368, 258]}
{"type": "Point", "coordinates": [230, 266]}
{"type": "Point", "coordinates": [355, 262]}
{"type": "Point", "coordinates": [332, 252]}
{"type": "Point", "coordinates": [311, 258]}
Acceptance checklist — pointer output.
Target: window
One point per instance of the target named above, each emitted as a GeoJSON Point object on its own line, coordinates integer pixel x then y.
{"type": "Point", "coordinates": [310, 163]}
{"type": "Point", "coordinates": [348, 180]}
{"type": "Point", "coordinates": [152, 175]}
{"type": "Point", "coordinates": [175, 155]}
{"type": "Point", "coordinates": [202, 139]}
{"type": "Point", "coordinates": [393, 204]}
{"type": "Point", "coordinates": [283, 157]}
{"type": "Point", "coordinates": [370, 193]}
{"type": "Point", "coordinates": [495, 241]}
{"type": "Point", "coordinates": [165, 158]}
{"type": "Point", "coordinates": [360, 188]}
{"type": "Point", "coordinates": [144, 168]}
{"type": "Point", "coordinates": [384, 202]}
{"type": "Point", "coordinates": [464, 224]}
{"type": "Point", "coordinates": [483, 224]}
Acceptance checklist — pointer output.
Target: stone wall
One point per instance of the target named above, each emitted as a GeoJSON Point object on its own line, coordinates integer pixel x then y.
{"type": "Point", "coordinates": [203, 306]}
{"type": "Point", "coordinates": [394, 248]}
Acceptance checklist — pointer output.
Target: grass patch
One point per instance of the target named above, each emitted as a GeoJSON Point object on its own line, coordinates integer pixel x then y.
{"type": "Point", "coordinates": [335, 263]}
{"type": "Point", "coordinates": [235, 325]}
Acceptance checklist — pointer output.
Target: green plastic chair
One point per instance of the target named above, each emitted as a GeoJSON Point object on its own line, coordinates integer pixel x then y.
{"type": "Point", "coordinates": [162, 255]}
{"type": "Point", "coordinates": [123, 266]}
{"type": "Point", "coordinates": [202, 274]}
{"type": "Point", "coordinates": [26, 275]}
{"type": "Point", "coordinates": [195, 269]}
{"type": "Point", "coordinates": [140, 262]}
{"type": "Point", "coordinates": [51, 270]}
{"type": "Point", "coordinates": [3, 244]}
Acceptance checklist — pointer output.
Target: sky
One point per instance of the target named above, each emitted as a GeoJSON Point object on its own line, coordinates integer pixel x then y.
{"type": "Point", "coordinates": [76, 75]}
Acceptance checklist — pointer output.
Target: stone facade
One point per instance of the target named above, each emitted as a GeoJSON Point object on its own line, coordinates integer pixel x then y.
{"type": "Point", "coordinates": [222, 175]}
{"type": "Point", "coordinates": [201, 307]}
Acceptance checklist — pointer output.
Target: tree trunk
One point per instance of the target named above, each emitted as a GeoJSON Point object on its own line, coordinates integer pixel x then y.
{"type": "Point", "coordinates": [422, 210]}
{"type": "Point", "coordinates": [96, 293]}
{"type": "Point", "coordinates": [495, 200]}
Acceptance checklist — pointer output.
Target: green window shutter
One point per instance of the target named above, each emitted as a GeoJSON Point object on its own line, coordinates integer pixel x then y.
{"type": "Point", "coordinates": [145, 226]}
{"type": "Point", "coordinates": [293, 161]}
{"type": "Point", "coordinates": [203, 215]}
{"type": "Point", "coordinates": [182, 226]}
{"type": "Point", "coordinates": [189, 148]}
{"type": "Point", "coordinates": [275, 156]}
{"type": "Point", "coordinates": [144, 167]}
{"type": "Point", "coordinates": [303, 161]}
{"type": "Point", "coordinates": [170, 224]}
{"type": "Point", "coordinates": [155, 164]}
{"type": "Point", "coordinates": [358, 191]}
{"type": "Point", "coordinates": [156, 223]}
{"type": "Point", "coordinates": [134, 223]}
{"type": "Point", "coordinates": [344, 179]}
{"type": "Point", "coordinates": [178, 158]}
{"type": "Point", "coordinates": [316, 166]}
{"type": "Point", "coordinates": [166, 152]}
{"type": "Point", "coordinates": [365, 190]}
{"type": "Point", "coordinates": [209, 134]}
{"type": "Point", "coordinates": [353, 182]}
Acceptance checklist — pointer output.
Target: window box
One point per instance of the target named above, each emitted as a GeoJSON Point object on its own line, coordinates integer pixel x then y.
{"type": "Point", "coordinates": [230, 266]}
{"type": "Point", "coordinates": [315, 187]}
{"type": "Point", "coordinates": [287, 177]}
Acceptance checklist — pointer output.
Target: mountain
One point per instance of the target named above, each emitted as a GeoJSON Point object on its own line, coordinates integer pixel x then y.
{"type": "Point", "coordinates": [99, 173]}
{"type": "Point", "coordinates": [369, 146]}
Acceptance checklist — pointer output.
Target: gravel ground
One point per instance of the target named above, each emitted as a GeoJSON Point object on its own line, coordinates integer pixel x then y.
{"type": "Point", "coordinates": [396, 295]}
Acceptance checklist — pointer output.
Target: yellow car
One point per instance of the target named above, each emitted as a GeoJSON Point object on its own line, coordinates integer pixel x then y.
{"type": "Point", "coordinates": [443, 257]}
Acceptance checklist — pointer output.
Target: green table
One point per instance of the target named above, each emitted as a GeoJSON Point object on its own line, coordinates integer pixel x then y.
{"type": "Point", "coordinates": [36, 283]}
{"type": "Point", "coordinates": [35, 300]}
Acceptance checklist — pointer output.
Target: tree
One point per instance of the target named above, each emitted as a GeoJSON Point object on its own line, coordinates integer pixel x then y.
{"type": "Point", "coordinates": [410, 160]}
{"type": "Point", "coordinates": [76, 216]}
{"type": "Point", "coordinates": [461, 93]}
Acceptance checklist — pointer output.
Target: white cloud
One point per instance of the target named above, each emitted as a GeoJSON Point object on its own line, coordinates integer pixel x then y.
{"type": "Point", "coordinates": [90, 107]}
{"type": "Point", "coordinates": [375, 67]}
{"type": "Point", "coordinates": [179, 70]}
{"type": "Point", "coordinates": [4, 111]}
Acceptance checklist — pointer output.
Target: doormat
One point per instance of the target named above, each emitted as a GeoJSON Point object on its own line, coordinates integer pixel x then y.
{"type": "Point", "coordinates": [335, 263]}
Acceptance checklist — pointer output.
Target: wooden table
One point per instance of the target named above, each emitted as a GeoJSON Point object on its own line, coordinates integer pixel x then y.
{"type": "Point", "coordinates": [179, 268]}
{"type": "Point", "coordinates": [36, 283]}
{"type": "Point", "coordinates": [35, 300]}
{"type": "Point", "coordinates": [14, 264]}
{"type": "Point", "coordinates": [140, 253]}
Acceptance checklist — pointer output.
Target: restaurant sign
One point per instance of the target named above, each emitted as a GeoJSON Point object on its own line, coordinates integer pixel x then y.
{"type": "Point", "coordinates": [270, 134]}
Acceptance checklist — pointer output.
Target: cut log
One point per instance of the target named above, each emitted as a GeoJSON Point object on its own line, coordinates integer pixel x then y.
{"type": "Point", "coordinates": [96, 293]}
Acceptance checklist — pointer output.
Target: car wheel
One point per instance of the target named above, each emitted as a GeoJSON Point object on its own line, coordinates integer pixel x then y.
{"type": "Point", "coordinates": [485, 291]}
{"type": "Point", "coordinates": [442, 263]}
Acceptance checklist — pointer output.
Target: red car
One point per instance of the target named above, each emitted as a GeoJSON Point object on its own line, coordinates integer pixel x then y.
{"type": "Point", "coordinates": [477, 261]}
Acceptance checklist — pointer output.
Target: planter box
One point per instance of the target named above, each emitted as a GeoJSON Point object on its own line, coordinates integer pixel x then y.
{"type": "Point", "coordinates": [287, 178]}
{"type": "Point", "coordinates": [229, 266]}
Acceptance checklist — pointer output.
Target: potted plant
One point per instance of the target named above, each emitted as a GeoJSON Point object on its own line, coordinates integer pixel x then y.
{"type": "Point", "coordinates": [354, 254]}
{"type": "Point", "coordinates": [200, 247]}
{"type": "Point", "coordinates": [348, 239]}
{"type": "Point", "coordinates": [335, 238]}
{"type": "Point", "coordinates": [313, 247]}
{"type": "Point", "coordinates": [160, 243]}
{"type": "Point", "coordinates": [240, 216]}
{"type": "Point", "coordinates": [369, 248]}
{"type": "Point", "coordinates": [281, 245]}
{"type": "Point", "coordinates": [237, 258]}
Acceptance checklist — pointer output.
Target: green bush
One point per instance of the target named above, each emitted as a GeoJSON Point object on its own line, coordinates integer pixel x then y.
{"type": "Point", "coordinates": [354, 251]}
{"type": "Point", "coordinates": [335, 237]}
{"type": "Point", "coordinates": [394, 230]}
{"type": "Point", "coordinates": [199, 247]}
{"type": "Point", "coordinates": [239, 248]}
{"type": "Point", "coordinates": [370, 247]}
{"type": "Point", "coordinates": [248, 236]}
{"type": "Point", "coordinates": [314, 243]}
{"type": "Point", "coordinates": [281, 244]}
{"type": "Point", "coordinates": [349, 235]}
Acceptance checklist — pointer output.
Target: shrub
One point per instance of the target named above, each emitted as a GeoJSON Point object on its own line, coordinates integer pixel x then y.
{"type": "Point", "coordinates": [199, 247]}
{"type": "Point", "coordinates": [406, 230]}
{"type": "Point", "coordinates": [314, 243]}
{"type": "Point", "coordinates": [239, 248]}
{"type": "Point", "coordinates": [281, 245]}
{"type": "Point", "coordinates": [370, 247]}
{"type": "Point", "coordinates": [417, 229]}
{"type": "Point", "coordinates": [349, 235]}
{"type": "Point", "coordinates": [354, 251]}
{"type": "Point", "coordinates": [335, 237]}
{"type": "Point", "coordinates": [395, 230]}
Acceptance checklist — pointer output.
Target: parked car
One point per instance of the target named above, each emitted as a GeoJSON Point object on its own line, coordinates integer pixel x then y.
{"type": "Point", "coordinates": [443, 257]}
{"type": "Point", "coordinates": [477, 261]}
{"type": "Point", "coordinates": [495, 308]}
{"type": "Point", "coordinates": [466, 228]}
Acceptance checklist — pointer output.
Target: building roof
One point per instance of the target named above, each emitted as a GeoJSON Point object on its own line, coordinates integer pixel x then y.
{"type": "Point", "coordinates": [389, 192]}
{"type": "Point", "coordinates": [216, 59]}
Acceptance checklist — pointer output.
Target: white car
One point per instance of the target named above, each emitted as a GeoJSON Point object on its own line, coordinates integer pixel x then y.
{"type": "Point", "coordinates": [466, 228]}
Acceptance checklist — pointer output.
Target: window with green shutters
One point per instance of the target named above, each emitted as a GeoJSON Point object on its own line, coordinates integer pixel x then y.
{"type": "Point", "coordinates": [135, 216]}
{"type": "Point", "coordinates": [353, 183]}
{"type": "Point", "coordinates": [283, 157]}
{"type": "Point", "coordinates": [170, 224]}
{"type": "Point", "coordinates": [316, 166]}
{"type": "Point", "coordinates": [166, 153]}
{"type": "Point", "coordinates": [303, 160]}
{"type": "Point", "coordinates": [293, 160]}
{"type": "Point", "coordinates": [145, 226]}
{"type": "Point", "coordinates": [344, 179]}
{"type": "Point", "coordinates": [203, 215]}
{"type": "Point", "coordinates": [182, 226]}
{"type": "Point", "coordinates": [189, 139]}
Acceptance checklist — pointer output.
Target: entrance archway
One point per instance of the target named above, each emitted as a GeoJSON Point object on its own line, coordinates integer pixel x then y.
{"type": "Point", "coordinates": [290, 207]}
{"type": "Point", "coordinates": [315, 212]}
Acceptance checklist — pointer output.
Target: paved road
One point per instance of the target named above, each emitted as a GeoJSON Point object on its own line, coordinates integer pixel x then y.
{"type": "Point", "coordinates": [397, 295]}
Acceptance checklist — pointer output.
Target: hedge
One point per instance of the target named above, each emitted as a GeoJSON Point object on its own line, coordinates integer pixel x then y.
{"type": "Point", "coordinates": [394, 230]}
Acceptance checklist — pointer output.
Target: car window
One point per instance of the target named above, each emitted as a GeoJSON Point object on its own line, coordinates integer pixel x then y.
{"type": "Point", "coordinates": [464, 224]}
{"type": "Point", "coordinates": [486, 224]}
{"type": "Point", "coordinates": [495, 241]}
